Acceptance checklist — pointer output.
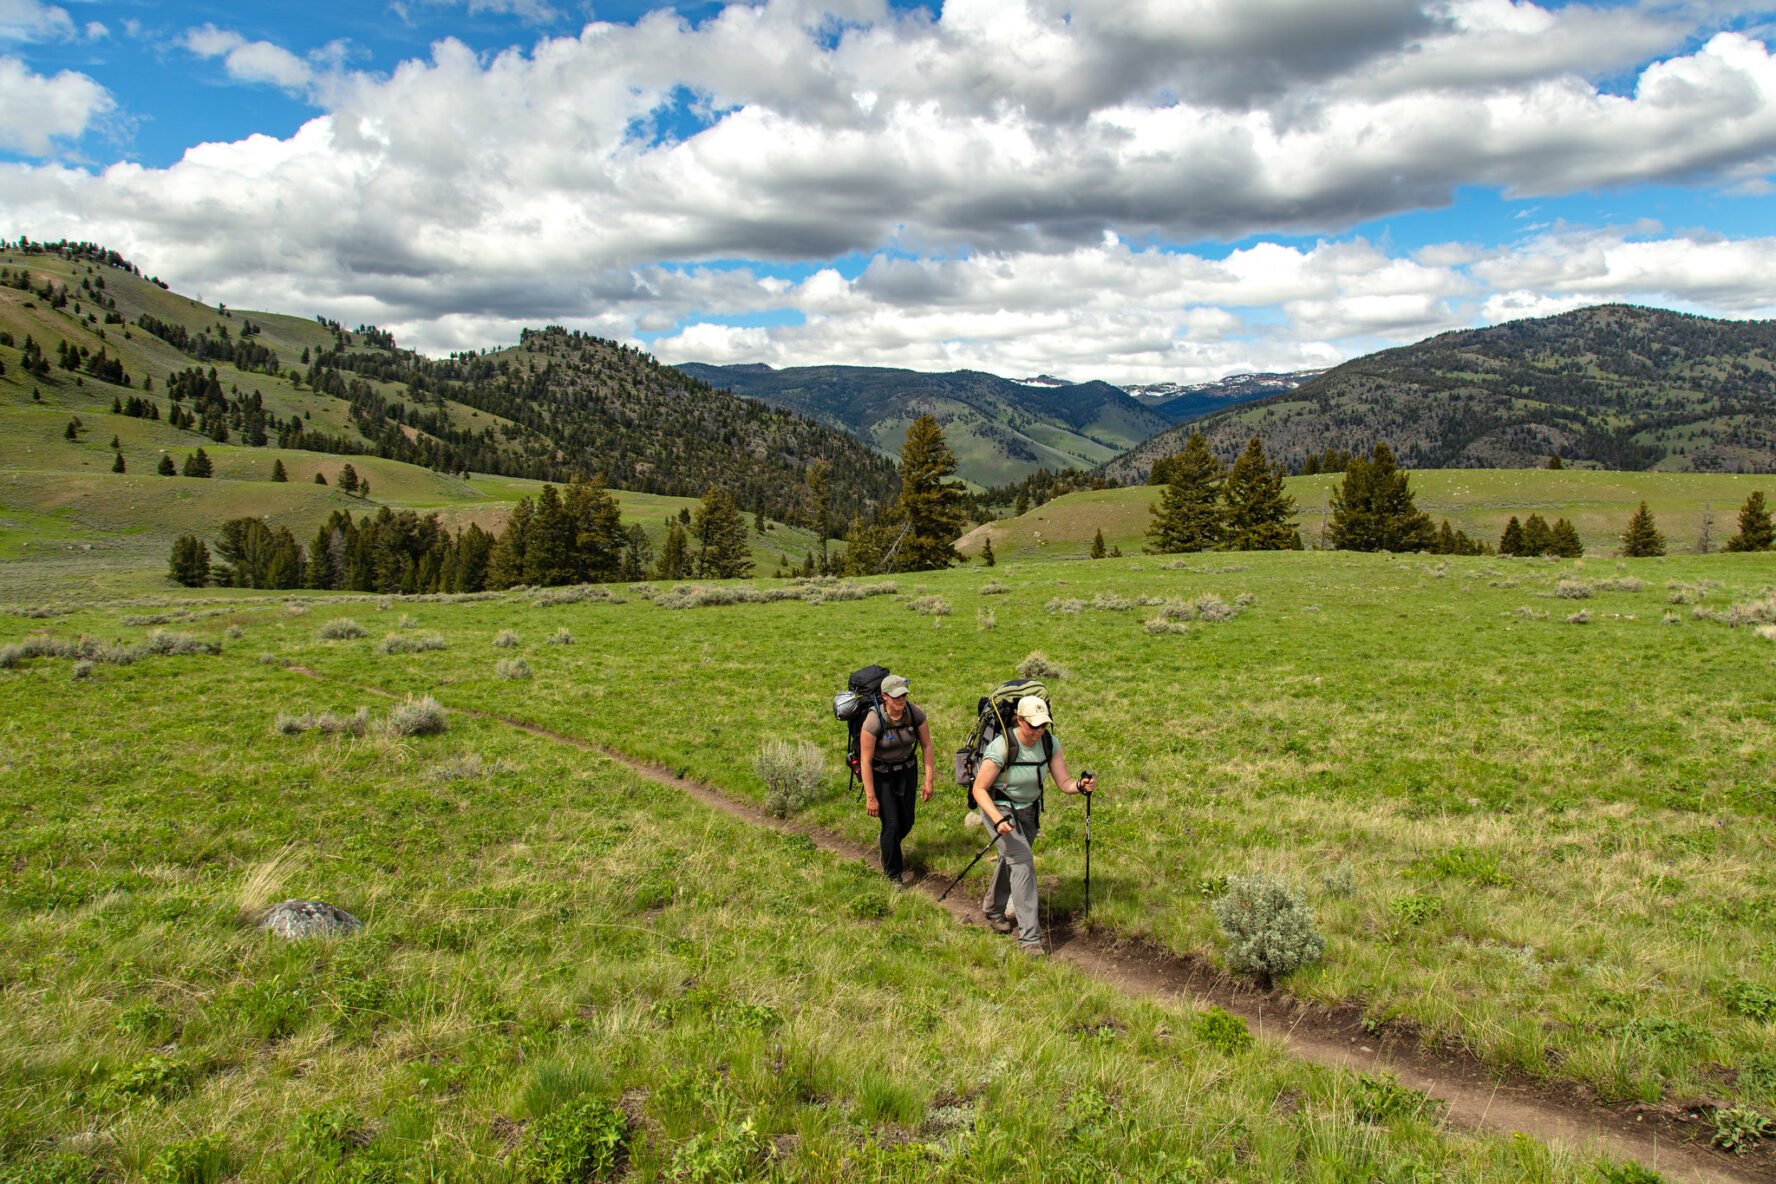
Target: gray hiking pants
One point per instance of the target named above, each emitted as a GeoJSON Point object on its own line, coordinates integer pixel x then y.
{"type": "Point", "coordinates": [1014, 876]}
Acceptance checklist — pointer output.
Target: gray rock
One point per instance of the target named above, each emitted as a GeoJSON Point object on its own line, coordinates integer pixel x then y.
{"type": "Point", "coordinates": [308, 918]}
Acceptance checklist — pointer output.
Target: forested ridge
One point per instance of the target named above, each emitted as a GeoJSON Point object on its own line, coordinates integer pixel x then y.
{"type": "Point", "coordinates": [1616, 387]}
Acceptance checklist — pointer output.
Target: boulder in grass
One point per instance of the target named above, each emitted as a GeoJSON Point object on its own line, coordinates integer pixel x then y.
{"type": "Point", "coordinates": [296, 919]}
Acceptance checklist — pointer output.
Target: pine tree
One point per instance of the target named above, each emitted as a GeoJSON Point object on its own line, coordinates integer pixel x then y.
{"type": "Point", "coordinates": [277, 470]}
{"type": "Point", "coordinates": [190, 563]}
{"type": "Point", "coordinates": [820, 507]}
{"type": "Point", "coordinates": [1537, 539]}
{"type": "Point", "coordinates": [1755, 530]}
{"type": "Point", "coordinates": [1554, 462]}
{"type": "Point", "coordinates": [987, 551]}
{"type": "Point", "coordinates": [1258, 509]}
{"type": "Point", "coordinates": [1373, 509]}
{"type": "Point", "coordinates": [1188, 514]}
{"type": "Point", "coordinates": [720, 531]}
{"type": "Point", "coordinates": [596, 541]}
{"type": "Point", "coordinates": [198, 465]}
{"type": "Point", "coordinates": [167, 468]}
{"type": "Point", "coordinates": [117, 465]}
{"type": "Point", "coordinates": [505, 563]}
{"type": "Point", "coordinates": [348, 479]}
{"type": "Point", "coordinates": [638, 551]}
{"type": "Point", "coordinates": [675, 558]}
{"type": "Point", "coordinates": [1098, 551]}
{"type": "Point", "coordinates": [1642, 539]}
{"type": "Point", "coordinates": [548, 543]}
{"type": "Point", "coordinates": [933, 507]}
{"type": "Point", "coordinates": [320, 477]}
{"type": "Point", "coordinates": [1511, 542]}
{"type": "Point", "coordinates": [1564, 540]}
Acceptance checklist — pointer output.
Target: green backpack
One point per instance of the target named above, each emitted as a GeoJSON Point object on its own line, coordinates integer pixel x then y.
{"type": "Point", "coordinates": [996, 716]}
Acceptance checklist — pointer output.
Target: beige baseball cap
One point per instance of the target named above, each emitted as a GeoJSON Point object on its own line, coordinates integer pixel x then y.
{"type": "Point", "coordinates": [894, 686]}
{"type": "Point", "coordinates": [1031, 709]}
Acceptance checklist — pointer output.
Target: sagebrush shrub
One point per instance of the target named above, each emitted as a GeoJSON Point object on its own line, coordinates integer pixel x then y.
{"type": "Point", "coordinates": [164, 642]}
{"type": "Point", "coordinates": [792, 774]}
{"type": "Point", "coordinates": [931, 606]}
{"type": "Point", "coordinates": [1573, 590]}
{"type": "Point", "coordinates": [424, 716]}
{"type": "Point", "coordinates": [1064, 604]}
{"type": "Point", "coordinates": [512, 669]}
{"type": "Point", "coordinates": [505, 639]}
{"type": "Point", "coordinates": [419, 643]}
{"type": "Point", "coordinates": [1037, 665]}
{"type": "Point", "coordinates": [995, 588]}
{"type": "Point", "coordinates": [341, 629]}
{"type": "Point", "coordinates": [561, 636]}
{"type": "Point", "coordinates": [1269, 927]}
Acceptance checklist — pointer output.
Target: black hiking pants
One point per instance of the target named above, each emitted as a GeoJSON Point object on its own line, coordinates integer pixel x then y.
{"type": "Point", "coordinates": [896, 792]}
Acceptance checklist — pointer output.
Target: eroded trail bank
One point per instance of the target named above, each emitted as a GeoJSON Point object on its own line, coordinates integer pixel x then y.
{"type": "Point", "coordinates": [1665, 1138]}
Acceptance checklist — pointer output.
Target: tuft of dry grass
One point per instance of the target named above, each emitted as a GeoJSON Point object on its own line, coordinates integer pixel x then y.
{"type": "Point", "coordinates": [264, 883]}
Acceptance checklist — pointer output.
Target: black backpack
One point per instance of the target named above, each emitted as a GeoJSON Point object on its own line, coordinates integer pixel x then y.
{"type": "Point", "coordinates": [996, 716]}
{"type": "Point", "coordinates": [863, 694]}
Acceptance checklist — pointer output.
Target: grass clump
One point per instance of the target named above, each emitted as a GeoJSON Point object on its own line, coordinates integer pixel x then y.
{"type": "Point", "coordinates": [165, 643]}
{"type": "Point", "coordinates": [505, 639]}
{"type": "Point", "coordinates": [1036, 664]}
{"type": "Point", "coordinates": [582, 1140]}
{"type": "Point", "coordinates": [355, 724]}
{"type": "Point", "coordinates": [1573, 590]}
{"type": "Point", "coordinates": [792, 774]}
{"type": "Point", "coordinates": [341, 629]}
{"type": "Point", "coordinates": [1067, 605]}
{"type": "Point", "coordinates": [1223, 1032]}
{"type": "Point", "coordinates": [419, 643]}
{"type": "Point", "coordinates": [930, 606]}
{"type": "Point", "coordinates": [200, 1160]}
{"type": "Point", "coordinates": [1754, 1001]}
{"type": "Point", "coordinates": [512, 669]}
{"type": "Point", "coordinates": [1269, 927]}
{"type": "Point", "coordinates": [424, 716]}
{"type": "Point", "coordinates": [994, 588]}
{"type": "Point", "coordinates": [561, 636]}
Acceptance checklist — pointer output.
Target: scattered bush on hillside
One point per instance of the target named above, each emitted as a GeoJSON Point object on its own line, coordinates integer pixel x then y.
{"type": "Point", "coordinates": [995, 588]}
{"type": "Point", "coordinates": [1037, 665]}
{"type": "Point", "coordinates": [82, 669]}
{"type": "Point", "coordinates": [512, 669]}
{"type": "Point", "coordinates": [1163, 624]}
{"type": "Point", "coordinates": [930, 606]}
{"type": "Point", "coordinates": [1111, 602]}
{"type": "Point", "coordinates": [1269, 927]}
{"type": "Point", "coordinates": [465, 766]}
{"type": "Point", "coordinates": [985, 619]}
{"type": "Point", "coordinates": [792, 774]}
{"type": "Point", "coordinates": [355, 724]}
{"type": "Point", "coordinates": [341, 629]}
{"type": "Point", "coordinates": [561, 636]}
{"type": "Point", "coordinates": [505, 639]}
{"type": "Point", "coordinates": [1069, 605]}
{"type": "Point", "coordinates": [576, 594]}
{"type": "Point", "coordinates": [394, 643]}
{"type": "Point", "coordinates": [166, 644]}
{"type": "Point", "coordinates": [1582, 617]}
{"type": "Point", "coordinates": [424, 716]}
{"type": "Point", "coordinates": [581, 1140]}
{"type": "Point", "coordinates": [1573, 590]}
{"type": "Point", "coordinates": [89, 649]}
{"type": "Point", "coordinates": [1621, 584]}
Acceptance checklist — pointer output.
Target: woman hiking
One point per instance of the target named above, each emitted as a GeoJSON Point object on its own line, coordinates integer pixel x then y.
{"type": "Point", "coordinates": [888, 765]}
{"type": "Point", "coordinates": [1008, 792]}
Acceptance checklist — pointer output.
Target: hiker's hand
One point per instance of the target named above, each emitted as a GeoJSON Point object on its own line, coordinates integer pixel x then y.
{"type": "Point", "coordinates": [1003, 826]}
{"type": "Point", "coordinates": [872, 807]}
{"type": "Point", "coordinates": [925, 794]}
{"type": "Point", "coordinates": [1088, 781]}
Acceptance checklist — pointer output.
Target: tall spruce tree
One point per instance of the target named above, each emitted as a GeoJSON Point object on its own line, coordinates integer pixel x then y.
{"type": "Point", "coordinates": [1511, 542]}
{"type": "Point", "coordinates": [278, 472]}
{"type": "Point", "coordinates": [548, 544]}
{"type": "Point", "coordinates": [198, 464]}
{"type": "Point", "coordinates": [596, 546]}
{"type": "Point", "coordinates": [1642, 539]}
{"type": "Point", "coordinates": [190, 563]}
{"type": "Point", "coordinates": [1256, 507]}
{"type": "Point", "coordinates": [1098, 550]}
{"type": "Point", "coordinates": [166, 467]}
{"type": "Point", "coordinates": [638, 552]}
{"type": "Point", "coordinates": [675, 556]}
{"type": "Point", "coordinates": [505, 563]}
{"type": "Point", "coordinates": [1755, 530]}
{"type": "Point", "coordinates": [987, 551]}
{"type": "Point", "coordinates": [1188, 514]}
{"type": "Point", "coordinates": [819, 482]}
{"type": "Point", "coordinates": [722, 542]}
{"type": "Point", "coordinates": [1373, 510]}
{"type": "Point", "coordinates": [1537, 538]}
{"type": "Point", "coordinates": [933, 508]}
{"type": "Point", "coordinates": [1564, 540]}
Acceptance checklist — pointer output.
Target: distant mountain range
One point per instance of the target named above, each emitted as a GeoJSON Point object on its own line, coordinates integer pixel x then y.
{"type": "Point", "coordinates": [1615, 386]}
{"type": "Point", "coordinates": [1000, 429]}
{"type": "Point", "coordinates": [1179, 401]}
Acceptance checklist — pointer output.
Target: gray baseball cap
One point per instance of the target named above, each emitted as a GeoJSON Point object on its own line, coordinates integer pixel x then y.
{"type": "Point", "coordinates": [894, 686]}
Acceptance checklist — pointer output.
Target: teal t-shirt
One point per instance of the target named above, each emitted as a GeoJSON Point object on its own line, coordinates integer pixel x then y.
{"type": "Point", "coordinates": [1018, 783]}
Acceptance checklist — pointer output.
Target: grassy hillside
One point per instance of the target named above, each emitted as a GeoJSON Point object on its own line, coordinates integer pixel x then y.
{"type": "Point", "coordinates": [1477, 501]}
{"type": "Point", "coordinates": [999, 430]}
{"type": "Point", "coordinates": [1507, 853]}
{"type": "Point", "coordinates": [1612, 387]}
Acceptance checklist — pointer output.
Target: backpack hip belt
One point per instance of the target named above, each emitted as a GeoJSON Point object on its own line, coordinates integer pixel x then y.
{"type": "Point", "coordinates": [896, 767]}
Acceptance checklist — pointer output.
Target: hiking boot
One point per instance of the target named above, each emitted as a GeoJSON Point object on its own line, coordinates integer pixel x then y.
{"type": "Point", "coordinates": [1000, 924]}
{"type": "Point", "coordinates": [1033, 949]}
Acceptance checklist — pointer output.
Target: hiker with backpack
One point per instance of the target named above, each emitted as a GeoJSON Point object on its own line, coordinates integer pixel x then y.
{"type": "Point", "coordinates": [888, 764]}
{"type": "Point", "coordinates": [1007, 790]}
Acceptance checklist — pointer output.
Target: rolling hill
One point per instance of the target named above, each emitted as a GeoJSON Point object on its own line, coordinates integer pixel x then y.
{"type": "Point", "coordinates": [1612, 387]}
{"type": "Point", "coordinates": [1000, 430]}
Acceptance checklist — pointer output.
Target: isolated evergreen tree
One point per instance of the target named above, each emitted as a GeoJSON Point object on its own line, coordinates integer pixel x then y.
{"type": "Point", "coordinates": [167, 468]}
{"type": "Point", "coordinates": [348, 479]}
{"type": "Point", "coordinates": [1021, 506]}
{"type": "Point", "coordinates": [1554, 462]}
{"type": "Point", "coordinates": [198, 465]}
{"type": "Point", "coordinates": [1188, 514]}
{"type": "Point", "coordinates": [932, 507]}
{"type": "Point", "coordinates": [1537, 539]}
{"type": "Point", "coordinates": [117, 465]}
{"type": "Point", "coordinates": [1373, 509]}
{"type": "Point", "coordinates": [73, 430]}
{"type": "Point", "coordinates": [1755, 530]}
{"type": "Point", "coordinates": [1098, 550]}
{"type": "Point", "coordinates": [320, 477]}
{"type": "Point", "coordinates": [596, 542]}
{"type": "Point", "coordinates": [819, 481]}
{"type": "Point", "coordinates": [548, 543]}
{"type": "Point", "coordinates": [1642, 539]}
{"type": "Point", "coordinates": [1564, 540]}
{"type": "Point", "coordinates": [190, 564]}
{"type": "Point", "coordinates": [987, 551]}
{"type": "Point", "coordinates": [675, 557]}
{"type": "Point", "coordinates": [277, 470]}
{"type": "Point", "coordinates": [720, 531]}
{"type": "Point", "coordinates": [1257, 509]}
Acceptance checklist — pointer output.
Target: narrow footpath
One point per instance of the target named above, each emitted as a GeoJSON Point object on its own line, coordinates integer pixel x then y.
{"type": "Point", "coordinates": [1668, 1139]}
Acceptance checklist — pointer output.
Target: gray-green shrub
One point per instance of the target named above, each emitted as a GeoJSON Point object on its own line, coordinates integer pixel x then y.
{"type": "Point", "coordinates": [1269, 927]}
{"type": "Point", "coordinates": [424, 716]}
{"type": "Point", "coordinates": [792, 774]}
{"type": "Point", "coordinates": [341, 629]}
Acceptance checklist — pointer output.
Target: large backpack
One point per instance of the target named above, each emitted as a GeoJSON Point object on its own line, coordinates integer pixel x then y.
{"type": "Point", "coordinates": [863, 694]}
{"type": "Point", "coordinates": [995, 716]}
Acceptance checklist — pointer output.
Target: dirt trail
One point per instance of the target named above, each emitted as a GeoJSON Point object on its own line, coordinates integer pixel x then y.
{"type": "Point", "coordinates": [1666, 1138]}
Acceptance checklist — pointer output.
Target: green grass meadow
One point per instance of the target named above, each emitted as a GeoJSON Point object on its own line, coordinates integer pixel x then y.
{"type": "Point", "coordinates": [1528, 801]}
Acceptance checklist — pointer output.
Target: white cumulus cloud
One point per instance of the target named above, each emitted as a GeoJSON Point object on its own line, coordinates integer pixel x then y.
{"type": "Point", "coordinates": [36, 111]}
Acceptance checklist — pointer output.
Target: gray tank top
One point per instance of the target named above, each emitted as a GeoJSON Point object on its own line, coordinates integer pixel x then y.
{"type": "Point", "coordinates": [895, 745]}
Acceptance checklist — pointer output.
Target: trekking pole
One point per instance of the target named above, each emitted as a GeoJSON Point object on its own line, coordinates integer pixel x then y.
{"type": "Point", "coordinates": [1088, 853]}
{"type": "Point", "coordinates": [971, 864]}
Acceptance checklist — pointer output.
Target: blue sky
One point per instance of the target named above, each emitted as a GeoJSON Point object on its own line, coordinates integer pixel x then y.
{"type": "Point", "coordinates": [1108, 189]}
